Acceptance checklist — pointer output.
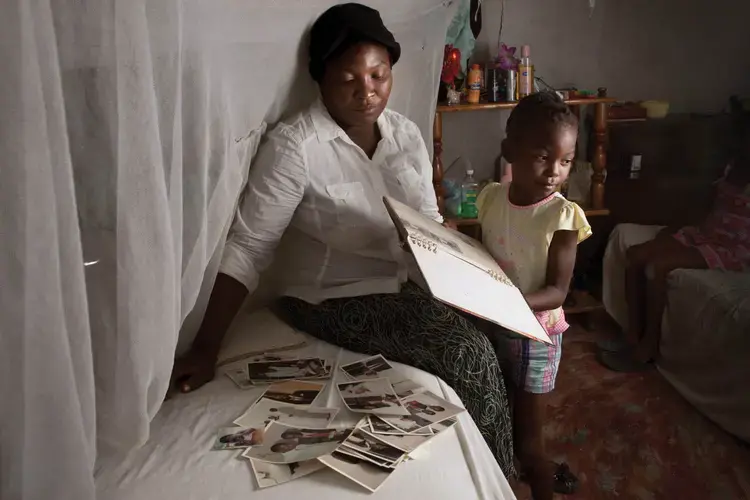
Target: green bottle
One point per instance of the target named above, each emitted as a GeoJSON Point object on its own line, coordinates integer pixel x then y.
{"type": "Point", "coordinates": [469, 192]}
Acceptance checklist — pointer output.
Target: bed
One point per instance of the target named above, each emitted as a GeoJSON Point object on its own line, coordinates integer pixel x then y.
{"type": "Point", "coordinates": [176, 463]}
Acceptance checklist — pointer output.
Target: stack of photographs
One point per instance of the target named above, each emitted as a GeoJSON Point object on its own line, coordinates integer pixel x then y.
{"type": "Point", "coordinates": [270, 368]}
{"type": "Point", "coordinates": [402, 416]}
{"type": "Point", "coordinates": [285, 437]}
{"type": "Point", "coordinates": [369, 458]}
{"type": "Point", "coordinates": [408, 442]}
{"type": "Point", "coordinates": [425, 409]}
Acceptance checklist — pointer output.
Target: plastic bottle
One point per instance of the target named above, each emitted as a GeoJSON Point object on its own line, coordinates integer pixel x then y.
{"type": "Point", "coordinates": [474, 83]}
{"type": "Point", "coordinates": [525, 73]}
{"type": "Point", "coordinates": [469, 192]}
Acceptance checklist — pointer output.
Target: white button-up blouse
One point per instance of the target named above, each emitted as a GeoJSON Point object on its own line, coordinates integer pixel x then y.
{"type": "Point", "coordinates": [312, 185]}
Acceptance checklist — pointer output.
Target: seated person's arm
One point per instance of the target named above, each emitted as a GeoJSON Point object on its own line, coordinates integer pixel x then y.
{"type": "Point", "coordinates": [560, 264]}
{"type": "Point", "coordinates": [276, 185]}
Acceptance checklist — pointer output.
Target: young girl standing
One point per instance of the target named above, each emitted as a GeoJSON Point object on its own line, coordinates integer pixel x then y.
{"type": "Point", "coordinates": [533, 231]}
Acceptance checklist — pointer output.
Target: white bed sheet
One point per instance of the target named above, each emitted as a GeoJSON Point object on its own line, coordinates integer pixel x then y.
{"type": "Point", "coordinates": [177, 462]}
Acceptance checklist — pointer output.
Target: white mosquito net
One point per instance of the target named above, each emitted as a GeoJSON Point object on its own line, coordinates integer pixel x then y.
{"type": "Point", "coordinates": [123, 148]}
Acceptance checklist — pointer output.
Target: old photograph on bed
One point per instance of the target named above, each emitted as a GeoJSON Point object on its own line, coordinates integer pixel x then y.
{"type": "Point", "coordinates": [234, 438]}
{"type": "Point", "coordinates": [360, 471]}
{"type": "Point", "coordinates": [375, 396]}
{"type": "Point", "coordinates": [267, 474]}
{"type": "Point", "coordinates": [286, 369]}
{"type": "Point", "coordinates": [361, 443]}
{"type": "Point", "coordinates": [424, 409]}
{"type": "Point", "coordinates": [378, 367]}
{"type": "Point", "coordinates": [283, 444]}
{"type": "Point", "coordinates": [265, 411]}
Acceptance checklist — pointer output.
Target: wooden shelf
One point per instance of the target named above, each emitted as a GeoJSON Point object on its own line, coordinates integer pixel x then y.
{"type": "Point", "coordinates": [625, 120]}
{"type": "Point", "coordinates": [590, 212]}
{"type": "Point", "coordinates": [455, 108]}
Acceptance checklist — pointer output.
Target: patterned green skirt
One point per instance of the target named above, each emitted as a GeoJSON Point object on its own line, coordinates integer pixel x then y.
{"type": "Point", "coordinates": [413, 328]}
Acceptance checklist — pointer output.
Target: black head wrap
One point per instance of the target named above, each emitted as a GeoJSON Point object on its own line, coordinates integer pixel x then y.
{"type": "Point", "coordinates": [342, 26]}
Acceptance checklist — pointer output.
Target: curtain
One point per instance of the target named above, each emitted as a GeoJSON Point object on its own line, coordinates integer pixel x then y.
{"type": "Point", "coordinates": [122, 136]}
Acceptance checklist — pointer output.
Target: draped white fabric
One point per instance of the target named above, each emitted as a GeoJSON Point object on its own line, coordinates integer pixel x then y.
{"type": "Point", "coordinates": [123, 138]}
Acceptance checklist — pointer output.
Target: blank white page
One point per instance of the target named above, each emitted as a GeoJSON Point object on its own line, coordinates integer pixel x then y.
{"type": "Point", "coordinates": [473, 290]}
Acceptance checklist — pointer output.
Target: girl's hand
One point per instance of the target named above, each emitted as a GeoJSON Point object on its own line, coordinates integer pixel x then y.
{"type": "Point", "coordinates": [450, 224]}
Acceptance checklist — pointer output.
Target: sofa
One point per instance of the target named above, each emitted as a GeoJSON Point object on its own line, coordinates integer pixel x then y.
{"type": "Point", "coordinates": [705, 340]}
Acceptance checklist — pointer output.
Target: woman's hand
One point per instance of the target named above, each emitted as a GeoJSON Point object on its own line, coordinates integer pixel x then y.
{"type": "Point", "coordinates": [450, 224]}
{"type": "Point", "coordinates": [192, 371]}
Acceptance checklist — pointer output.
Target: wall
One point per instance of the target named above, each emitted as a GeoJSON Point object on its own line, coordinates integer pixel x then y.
{"type": "Point", "coordinates": [693, 53]}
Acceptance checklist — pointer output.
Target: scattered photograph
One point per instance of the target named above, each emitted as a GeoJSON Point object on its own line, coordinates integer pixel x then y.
{"type": "Point", "coordinates": [234, 438]}
{"type": "Point", "coordinates": [444, 425]}
{"type": "Point", "coordinates": [268, 475]}
{"type": "Point", "coordinates": [240, 378]}
{"type": "Point", "coordinates": [265, 411]}
{"type": "Point", "coordinates": [408, 424]}
{"type": "Point", "coordinates": [407, 443]}
{"type": "Point", "coordinates": [295, 392]}
{"type": "Point", "coordinates": [379, 426]}
{"type": "Point", "coordinates": [285, 369]}
{"type": "Point", "coordinates": [378, 367]}
{"type": "Point", "coordinates": [346, 450]}
{"type": "Point", "coordinates": [362, 472]}
{"type": "Point", "coordinates": [284, 444]}
{"type": "Point", "coordinates": [424, 409]}
{"type": "Point", "coordinates": [369, 445]}
{"type": "Point", "coordinates": [410, 442]}
{"type": "Point", "coordinates": [371, 396]}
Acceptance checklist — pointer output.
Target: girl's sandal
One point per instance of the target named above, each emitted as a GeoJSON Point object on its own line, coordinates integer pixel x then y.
{"type": "Point", "coordinates": [566, 483]}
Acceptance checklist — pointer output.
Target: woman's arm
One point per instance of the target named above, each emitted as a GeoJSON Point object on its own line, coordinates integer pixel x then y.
{"type": "Point", "coordinates": [276, 185]}
{"type": "Point", "coordinates": [560, 264]}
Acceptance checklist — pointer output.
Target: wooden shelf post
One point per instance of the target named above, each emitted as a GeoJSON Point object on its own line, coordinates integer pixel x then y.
{"type": "Point", "coordinates": [437, 161]}
{"type": "Point", "coordinates": [599, 162]}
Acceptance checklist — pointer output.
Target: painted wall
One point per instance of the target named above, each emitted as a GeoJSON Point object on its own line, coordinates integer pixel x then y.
{"type": "Point", "coordinates": [694, 53]}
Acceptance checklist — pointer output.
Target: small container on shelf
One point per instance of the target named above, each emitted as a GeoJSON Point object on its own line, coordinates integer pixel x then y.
{"type": "Point", "coordinates": [474, 84]}
{"type": "Point", "coordinates": [469, 193]}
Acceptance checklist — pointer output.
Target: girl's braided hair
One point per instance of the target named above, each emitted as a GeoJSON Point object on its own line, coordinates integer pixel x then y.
{"type": "Point", "coordinates": [537, 110]}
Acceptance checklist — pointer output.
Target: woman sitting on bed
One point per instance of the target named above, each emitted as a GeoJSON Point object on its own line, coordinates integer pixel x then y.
{"type": "Point", "coordinates": [319, 180]}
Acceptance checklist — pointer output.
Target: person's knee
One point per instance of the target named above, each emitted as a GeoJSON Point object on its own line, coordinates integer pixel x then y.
{"type": "Point", "coordinates": [659, 269]}
{"type": "Point", "coordinates": [637, 255]}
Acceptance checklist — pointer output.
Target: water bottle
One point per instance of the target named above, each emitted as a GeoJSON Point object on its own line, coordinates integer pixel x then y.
{"type": "Point", "coordinates": [469, 192]}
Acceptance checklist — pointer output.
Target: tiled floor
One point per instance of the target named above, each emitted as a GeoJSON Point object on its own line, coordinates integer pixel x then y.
{"type": "Point", "coordinates": [631, 436]}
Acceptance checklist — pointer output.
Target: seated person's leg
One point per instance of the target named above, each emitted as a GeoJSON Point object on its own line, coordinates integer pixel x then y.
{"type": "Point", "coordinates": [638, 257]}
{"type": "Point", "coordinates": [654, 261]}
{"type": "Point", "coordinates": [674, 255]}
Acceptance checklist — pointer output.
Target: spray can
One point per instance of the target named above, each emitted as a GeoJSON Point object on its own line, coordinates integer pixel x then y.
{"type": "Point", "coordinates": [511, 78]}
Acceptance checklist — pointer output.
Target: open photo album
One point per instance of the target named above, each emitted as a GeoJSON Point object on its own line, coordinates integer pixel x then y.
{"type": "Point", "coordinates": [461, 273]}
